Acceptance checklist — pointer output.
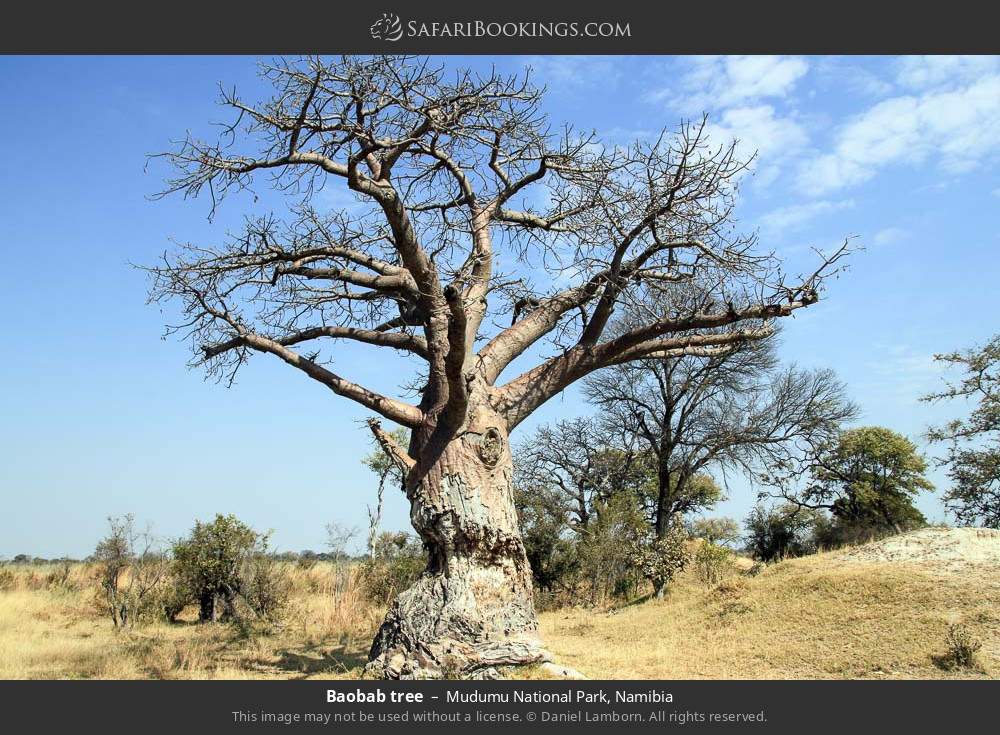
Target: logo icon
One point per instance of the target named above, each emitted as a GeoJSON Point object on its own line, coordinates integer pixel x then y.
{"type": "Point", "coordinates": [387, 28]}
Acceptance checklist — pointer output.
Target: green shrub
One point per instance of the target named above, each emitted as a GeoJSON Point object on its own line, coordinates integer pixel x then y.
{"type": "Point", "coordinates": [606, 550]}
{"type": "Point", "coordinates": [227, 568]}
{"type": "Point", "coordinates": [719, 531]}
{"type": "Point", "coordinates": [551, 552]}
{"type": "Point", "coordinates": [173, 596]}
{"type": "Point", "coordinates": [712, 563]}
{"type": "Point", "coordinates": [659, 560]}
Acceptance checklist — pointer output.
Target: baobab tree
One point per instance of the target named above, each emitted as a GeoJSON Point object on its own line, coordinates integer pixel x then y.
{"type": "Point", "coordinates": [479, 235]}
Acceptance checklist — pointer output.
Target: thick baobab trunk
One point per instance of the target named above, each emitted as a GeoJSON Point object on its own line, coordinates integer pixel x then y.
{"type": "Point", "coordinates": [472, 609]}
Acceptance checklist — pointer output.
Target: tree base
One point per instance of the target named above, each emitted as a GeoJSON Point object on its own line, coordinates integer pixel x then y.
{"type": "Point", "coordinates": [440, 629]}
{"type": "Point", "coordinates": [450, 659]}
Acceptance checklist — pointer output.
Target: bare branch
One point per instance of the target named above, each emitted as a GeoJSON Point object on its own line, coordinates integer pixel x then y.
{"type": "Point", "coordinates": [390, 408]}
{"type": "Point", "coordinates": [389, 445]}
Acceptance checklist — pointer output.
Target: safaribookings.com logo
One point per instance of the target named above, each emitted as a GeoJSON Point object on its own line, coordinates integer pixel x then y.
{"type": "Point", "coordinates": [387, 28]}
{"type": "Point", "coordinates": [390, 28]}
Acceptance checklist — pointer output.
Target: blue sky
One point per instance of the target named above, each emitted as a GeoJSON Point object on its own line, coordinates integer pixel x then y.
{"type": "Point", "coordinates": [100, 415]}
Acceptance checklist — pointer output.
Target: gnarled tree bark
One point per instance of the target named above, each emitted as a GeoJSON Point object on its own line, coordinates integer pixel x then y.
{"type": "Point", "coordinates": [472, 609]}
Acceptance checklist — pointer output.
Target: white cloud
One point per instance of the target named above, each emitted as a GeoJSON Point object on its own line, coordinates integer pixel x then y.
{"type": "Point", "coordinates": [840, 73]}
{"type": "Point", "coordinates": [960, 128]}
{"type": "Point", "coordinates": [889, 236]}
{"type": "Point", "coordinates": [924, 72]}
{"type": "Point", "coordinates": [794, 217]}
{"type": "Point", "coordinates": [902, 373]}
{"type": "Point", "coordinates": [759, 130]}
{"type": "Point", "coordinates": [740, 94]}
{"type": "Point", "coordinates": [717, 82]}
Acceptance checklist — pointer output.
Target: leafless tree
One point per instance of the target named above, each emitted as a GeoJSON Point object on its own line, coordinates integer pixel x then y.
{"type": "Point", "coordinates": [130, 568]}
{"type": "Point", "coordinates": [478, 233]}
{"type": "Point", "coordinates": [338, 538]}
{"type": "Point", "coordinates": [579, 464]}
{"type": "Point", "coordinates": [734, 409]}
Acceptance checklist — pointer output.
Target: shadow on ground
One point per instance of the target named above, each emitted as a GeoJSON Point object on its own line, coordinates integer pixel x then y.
{"type": "Point", "coordinates": [339, 660]}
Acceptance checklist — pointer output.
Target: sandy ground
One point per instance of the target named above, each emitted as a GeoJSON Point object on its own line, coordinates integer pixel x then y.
{"type": "Point", "coordinates": [939, 546]}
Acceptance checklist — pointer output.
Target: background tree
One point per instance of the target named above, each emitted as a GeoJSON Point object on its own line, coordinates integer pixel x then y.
{"type": "Point", "coordinates": [733, 409]}
{"type": "Point", "coordinates": [445, 250]}
{"type": "Point", "coordinates": [338, 540]}
{"type": "Point", "coordinates": [387, 470]}
{"type": "Point", "coordinates": [549, 540]}
{"type": "Point", "coordinates": [130, 570]}
{"type": "Point", "coordinates": [721, 531]}
{"type": "Point", "coordinates": [973, 456]}
{"type": "Point", "coordinates": [573, 467]}
{"type": "Point", "coordinates": [569, 476]}
{"type": "Point", "coordinates": [867, 480]}
{"type": "Point", "coordinates": [611, 552]}
{"type": "Point", "coordinates": [780, 532]}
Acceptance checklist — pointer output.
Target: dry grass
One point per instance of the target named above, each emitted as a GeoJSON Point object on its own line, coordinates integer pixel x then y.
{"type": "Point", "coordinates": [50, 630]}
{"type": "Point", "coordinates": [812, 618]}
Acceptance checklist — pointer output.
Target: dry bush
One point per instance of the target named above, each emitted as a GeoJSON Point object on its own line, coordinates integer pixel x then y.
{"type": "Point", "coordinates": [129, 572]}
{"type": "Point", "coordinates": [732, 588]}
{"type": "Point", "coordinates": [961, 649]}
{"type": "Point", "coordinates": [59, 577]}
{"type": "Point", "coordinates": [263, 596]}
{"type": "Point", "coordinates": [63, 576]}
{"type": "Point", "coordinates": [8, 579]}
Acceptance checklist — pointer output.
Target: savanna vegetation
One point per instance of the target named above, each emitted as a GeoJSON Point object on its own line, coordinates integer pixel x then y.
{"type": "Point", "coordinates": [810, 617]}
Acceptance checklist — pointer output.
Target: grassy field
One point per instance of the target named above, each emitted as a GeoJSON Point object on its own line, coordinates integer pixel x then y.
{"type": "Point", "coordinates": [816, 617]}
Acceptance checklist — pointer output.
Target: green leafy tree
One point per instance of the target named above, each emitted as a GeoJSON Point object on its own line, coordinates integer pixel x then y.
{"type": "Point", "coordinates": [973, 456]}
{"type": "Point", "coordinates": [658, 558]}
{"type": "Point", "coordinates": [867, 480]}
{"type": "Point", "coordinates": [775, 533]}
{"type": "Point", "coordinates": [720, 531]}
{"type": "Point", "coordinates": [548, 540]}
{"type": "Point", "coordinates": [724, 409]}
{"type": "Point", "coordinates": [566, 476]}
{"type": "Point", "coordinates": [208, 563]}
{"type": "Point", "coordinates": [611, 546]}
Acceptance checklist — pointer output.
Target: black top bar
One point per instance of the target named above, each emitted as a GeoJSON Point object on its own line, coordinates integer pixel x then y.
{"type": "Point", "coordinates": [514, 27]}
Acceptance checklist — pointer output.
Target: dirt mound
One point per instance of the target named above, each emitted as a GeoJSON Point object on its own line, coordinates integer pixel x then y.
{"type": "Point", "coordinates": [943, 545]}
